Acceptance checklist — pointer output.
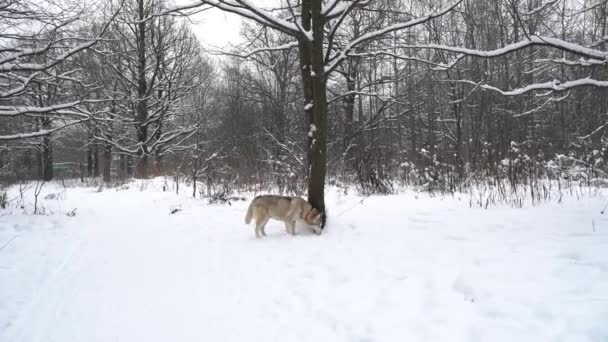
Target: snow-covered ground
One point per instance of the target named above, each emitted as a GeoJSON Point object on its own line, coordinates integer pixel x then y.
{"type": "Point", "coordinates": [407, 267]}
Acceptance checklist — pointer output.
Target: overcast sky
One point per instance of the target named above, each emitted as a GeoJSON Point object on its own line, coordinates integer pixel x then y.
{"type": "Point", "coordinates": [218, 28]}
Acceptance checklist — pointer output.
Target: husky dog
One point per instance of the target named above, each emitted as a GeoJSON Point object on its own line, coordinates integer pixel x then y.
{"type": "Point", "coordinates": [282, 208]}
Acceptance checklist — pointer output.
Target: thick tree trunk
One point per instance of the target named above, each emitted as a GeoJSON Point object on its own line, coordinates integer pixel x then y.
{"type": "Point", "coordinates": [27, 165]}
{"type": "Point", "coordinates": [158, 155]}
{"type": "Point", "coordinates": [46, 153]}
{"type": "Point", "coordinates": [107, 151]}
{"type": "Point", "coordinates": [47, 158]}
{"type": "Point", "coordinates": [142, 92]}
{"type": "Point", "coordinates": [431, 117]}
{"type": "Point", "coordinates": [39, 164]}
{"type": "Point", "coordinates": [95, 160]}
{"type": "Point", "coordinates": [90, 160]}
{"type": "Point", "coordinates": [318, 143]}
{"type": "Point", "coordinates": [124, 173]}
{"type": "Point", "coordinates": [195, 161]}
{"type": "Point", "coordinates": [314, 84]}
{"type": "Point", "coordinates": [305, 51]}
{"type": "Point", "coordinates": [397, 110]}
{"type": "Point", "coordinates": [413, 153]}
{"type": "Point", "coordinates": [107, 163]}
{"type": "Point", "coordinates": [349, 115]}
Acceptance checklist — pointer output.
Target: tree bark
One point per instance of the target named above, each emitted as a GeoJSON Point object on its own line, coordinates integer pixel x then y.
{"type": "Point", "coordinates": [89, 159]}
{"type": "Point", "coordinates": [107, 151]}
{"type": "Point", "coordinates": [314, 84]}
{"type": "Point", "coordinates": [318, 141]}
{"type": "Point", "coordinates": [349, 112]}
{"type": "Point", "coordinates": [142, 90]}
{"type": "Point", "coordinates": [107, 163]}
{"type": "Point", "coordinates": [47, 158]}
{"type": "Point", "coordinates": [123, 167]}
{"type": "Point", "coordinates": [95, 159]}
{"type": "Point", "coordinates": [47, 152]}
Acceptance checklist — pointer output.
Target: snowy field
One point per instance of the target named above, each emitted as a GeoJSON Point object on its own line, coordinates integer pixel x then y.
{"type": "Point", "coordinates": [407, 267]}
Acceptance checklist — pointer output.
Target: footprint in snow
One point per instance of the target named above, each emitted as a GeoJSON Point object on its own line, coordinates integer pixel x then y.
{"type": "Point", "coordinates": [465, 289]}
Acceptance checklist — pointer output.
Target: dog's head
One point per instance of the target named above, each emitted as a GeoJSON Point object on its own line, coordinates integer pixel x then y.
{"type": "Point", "coordinates": [313, 218]}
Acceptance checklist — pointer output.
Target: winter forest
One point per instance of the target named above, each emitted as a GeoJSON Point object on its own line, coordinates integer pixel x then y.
{"type": "Point", "coordinates": [446, 122]}
{"type": "Point", "coordinates": [433, 93]}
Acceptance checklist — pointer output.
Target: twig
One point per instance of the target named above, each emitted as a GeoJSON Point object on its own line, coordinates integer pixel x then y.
{"type": "Point", "coordinates": [351, 208]}
{"type": "Point", "coordinates": [9, 241]}
{"type": "Point", "coordinates": [603, 210]}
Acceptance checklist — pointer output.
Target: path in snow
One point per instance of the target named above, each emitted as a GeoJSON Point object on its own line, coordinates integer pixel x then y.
{"type": "Point", "coordinates": [395, 268]}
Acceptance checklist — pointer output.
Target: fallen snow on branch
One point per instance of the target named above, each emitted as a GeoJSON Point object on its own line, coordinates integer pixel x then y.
{"type": "Point", "coordinates": [550, 86]}
{"type": "Point", "coordinates": [594, 54]}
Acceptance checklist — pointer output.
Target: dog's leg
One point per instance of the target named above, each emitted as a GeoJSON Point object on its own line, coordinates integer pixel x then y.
{"type": "Point", "coordinates": [263, 225]}
{"type": "Point", "coordinates": [257, 230]}
{"type": "Point", "coordinates": [292, 227]}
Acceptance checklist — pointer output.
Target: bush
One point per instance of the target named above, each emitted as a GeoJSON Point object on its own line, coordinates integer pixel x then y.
{"type": "Point", "coordinates": [372, 176]}
{"type": "Point", "coordinates": [3, 199]}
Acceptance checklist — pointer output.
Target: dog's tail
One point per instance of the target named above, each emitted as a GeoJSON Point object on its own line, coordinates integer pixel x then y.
{"type": "Point", "coordinates": [249, 212]}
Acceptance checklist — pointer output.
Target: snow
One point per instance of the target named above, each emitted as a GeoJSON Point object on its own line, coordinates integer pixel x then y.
{"type": "Point", "coordinates": [248, 9]}
{"type": "Point", "coordinates": [407, 267]}
{"type": "Point", "coordinates": [580, 62]}
{"type": "Point", "coordinates": [40, 132]}
{"type": "Point", "coordinates": [313, 129]}
{"type": "Point", "coordinates": [554, 86]}
{"type": "Point", "coordinates": [286, 46]}
{"type": "Point", "coordinates": [335, 8]}
{"type": "Point", "coordinates": [540, 8]}
{"type": "Point", "coordinates": [339, 56]}
{"type": "Point", "coordinates": [5, 66]}
{"type": "Point", "coordinates": [308, 106]}
{"type": "Point", "coordinates": [596, 56]}
{"type": "Point", "coordinates": [550, 86]}
{"type": "Point", "coordinates": [18, 110]}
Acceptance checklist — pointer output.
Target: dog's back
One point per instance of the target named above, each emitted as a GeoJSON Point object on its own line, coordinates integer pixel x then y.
{"type": "Point", "coordinates": [282, 208]}
{"type": "Point", "coordinates": [268, 206]}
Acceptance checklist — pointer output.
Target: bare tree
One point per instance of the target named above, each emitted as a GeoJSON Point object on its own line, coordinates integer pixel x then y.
{"type": "Point", "coordinates": [319, 56]}
{"type": "Point", "coordinates": [37, 40]}
{"type": "Point", "coordinates": [39, 43]}
{"type": "Point", "coordinates": [152, 77]}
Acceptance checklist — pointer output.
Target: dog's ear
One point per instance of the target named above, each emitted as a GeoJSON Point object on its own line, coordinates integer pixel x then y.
{"type": "Point", "coordinates": [307, 216]}
{"type": "Point", "coordinates": [311, 216]}
{"type": "Point", "coordinates": [317, 222]}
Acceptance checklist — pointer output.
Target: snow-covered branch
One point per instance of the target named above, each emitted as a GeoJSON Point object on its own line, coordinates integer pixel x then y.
{"type": "Point", "coordinates": [551, 86]}
{"type": "Point", "coordinates": [282, 47]}
{"type": "Point", "coordinates": [295, 155]}
{"type": "Point", "coordinates": [590, 7]}
{"type": "Point", "coordinates": [361, 93]}
{"type": "Point", "coordinates": [541, 7]}
{"type": "Point", "coordinates": [39, 133]}
{"type": "Point", "coordinates": [543, 105]}
{"type": "Point", "coordinates": [437, 66]}
{"type": "Point", "coordinates": [341, 55]}
{"type": "Point", "coordinates": [19, 110]}
{"type": "Point", "coordinates": [245, 9]}
{"type": "Point", "coordinates": [596, 56]}
{"type": "Point", "coordinates": [595, 131]}
{"type": "Point", "coordinates": [580, 62]}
